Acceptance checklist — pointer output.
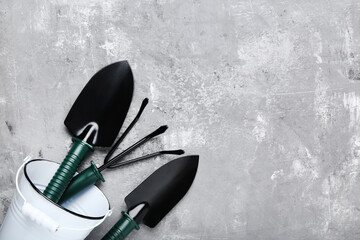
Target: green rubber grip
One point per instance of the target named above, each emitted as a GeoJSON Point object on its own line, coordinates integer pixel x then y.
{"type": "Point", "coordinates": [122, 228]}
{"type": "Point", "coordinates": [86, 178]}
{"type": "Point", "coordinates": [67, 169]}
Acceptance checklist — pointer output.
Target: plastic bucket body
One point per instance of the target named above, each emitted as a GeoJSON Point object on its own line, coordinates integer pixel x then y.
{"type": "Point", "coordinates": [31, 216]}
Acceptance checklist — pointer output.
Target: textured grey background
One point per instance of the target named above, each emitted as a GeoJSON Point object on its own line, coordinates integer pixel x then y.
{"type": "Point", "coordinates": [267, 92]}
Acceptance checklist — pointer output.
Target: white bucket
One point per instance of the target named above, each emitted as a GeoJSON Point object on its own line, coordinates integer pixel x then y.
{"type": "Point", "coordinates": [31, 216]}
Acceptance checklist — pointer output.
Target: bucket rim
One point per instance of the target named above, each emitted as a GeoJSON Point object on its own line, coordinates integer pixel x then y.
{"type": "Point", "coordinates": [57, 205]}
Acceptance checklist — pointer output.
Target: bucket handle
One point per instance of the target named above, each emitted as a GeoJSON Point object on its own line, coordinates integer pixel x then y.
{"type": "Point", "coordinates": [30, 211]}
{"type": "Point", "coordinates": [92, 227]}
{"type": "Point", "coordinates": [41, 218]}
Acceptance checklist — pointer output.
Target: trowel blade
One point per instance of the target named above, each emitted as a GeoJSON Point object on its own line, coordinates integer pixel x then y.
{"type": "Point", "coordinates": [102, 105]}
{"type": "Point", "coordinates": [163, 189]}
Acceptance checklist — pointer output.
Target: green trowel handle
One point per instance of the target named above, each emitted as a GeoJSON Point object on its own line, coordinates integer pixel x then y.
{"type": "Point", "coordinates": [122, 228]}
{"type": "Point", "coordinates": [86, 178]}
{"type": "Point", "coordinates": [67, 169]}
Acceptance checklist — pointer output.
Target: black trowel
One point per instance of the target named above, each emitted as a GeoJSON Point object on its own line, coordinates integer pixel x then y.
{"type": "Point", "coordinates": [94, 120]}
{"type": "Point", "coordinates": [156, 196]}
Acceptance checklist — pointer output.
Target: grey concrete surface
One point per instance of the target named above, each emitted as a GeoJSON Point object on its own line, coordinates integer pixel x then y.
{"type": "Point", "coordinates": [267, 92]}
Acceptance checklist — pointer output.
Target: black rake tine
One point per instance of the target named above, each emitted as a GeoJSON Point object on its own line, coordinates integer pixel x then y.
{"type": "Point", "coordinates": [121, 164]}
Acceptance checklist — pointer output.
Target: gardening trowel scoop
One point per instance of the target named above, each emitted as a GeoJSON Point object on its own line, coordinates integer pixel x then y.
{"type": "Point", "coordinates": [95, 119]}
{"type": "Point", "coordinates": [156, 196]}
